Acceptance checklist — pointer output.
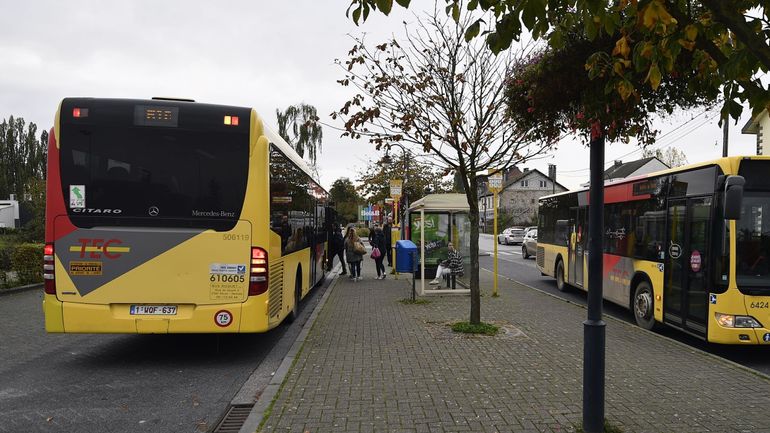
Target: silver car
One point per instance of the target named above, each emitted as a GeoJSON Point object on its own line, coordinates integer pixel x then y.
{"type": "Point", "coordinates": [529, 246]}
{"type": "Point", "coordinates": [511, 235]}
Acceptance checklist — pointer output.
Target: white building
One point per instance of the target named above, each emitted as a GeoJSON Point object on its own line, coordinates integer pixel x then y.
{"type": "Point", "coordinates": [9, 214]}
{"type": "Point", "coordinates": [757, 125]}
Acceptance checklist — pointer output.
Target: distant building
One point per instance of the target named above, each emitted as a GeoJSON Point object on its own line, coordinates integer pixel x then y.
{"type": "Point", "coordinates": [620, 170]}
{"type": "Point", "coordinates": [518, 199]}
{"type": "Point", "coordinates": [9, 214]}
{"type": "Point", "coordinates": [757, 125]}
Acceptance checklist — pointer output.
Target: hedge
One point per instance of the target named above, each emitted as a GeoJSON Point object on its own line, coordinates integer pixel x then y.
{"type": "Point", "coordinates": [27, 262]}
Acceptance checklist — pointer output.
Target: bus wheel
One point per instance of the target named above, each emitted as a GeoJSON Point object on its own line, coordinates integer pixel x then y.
{"type": "Point", "coordinates": [644, 306]}
{"type": "Point", "coordinates": [297, 296]}
{"type": "Point", "coordinates": [560, 283]}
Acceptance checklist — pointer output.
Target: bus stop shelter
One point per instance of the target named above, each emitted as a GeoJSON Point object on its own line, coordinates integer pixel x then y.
{"type": "Point", "coordinates": [434, 221]}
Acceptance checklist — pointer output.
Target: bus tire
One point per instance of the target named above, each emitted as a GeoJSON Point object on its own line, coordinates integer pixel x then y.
{"type": "Point", "coordinates": [560, 283]}
{"type": "Point", "coordinates": [294, 313]}
{"type": "Point", "coordinates": [644, 305]}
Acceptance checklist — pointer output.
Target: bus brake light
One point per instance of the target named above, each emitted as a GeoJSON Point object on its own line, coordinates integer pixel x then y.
{"type": "Point", "coordinates": [231, 120]}
{"type": "Point", "coordinates": [80, 112]}
{"type": "Point", "coordinates": [49, 281]}
{"type": "Point", "coordinates": [258, 272]}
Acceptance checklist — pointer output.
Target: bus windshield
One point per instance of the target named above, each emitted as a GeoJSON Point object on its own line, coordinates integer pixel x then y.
{"type": "Point", "coordinates": [153, 177]}
{"type": "Point", "coordinates": [753, 244]}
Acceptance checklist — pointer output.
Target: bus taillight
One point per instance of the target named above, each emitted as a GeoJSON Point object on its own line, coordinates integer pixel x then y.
{"type": "Point", "coordinates": [48, 270]}
{"type": "Point", "coordinates": [258, 274]}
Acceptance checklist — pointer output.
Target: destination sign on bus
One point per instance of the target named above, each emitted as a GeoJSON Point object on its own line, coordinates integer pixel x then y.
{"type": "Point", "coordinates": [148, 115]}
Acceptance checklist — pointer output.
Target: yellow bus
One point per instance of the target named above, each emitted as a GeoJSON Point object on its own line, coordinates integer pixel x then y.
{"type": "Point", "coordinates": [172, 216]}
{"type": "Point", "coordinates": [687, 247]}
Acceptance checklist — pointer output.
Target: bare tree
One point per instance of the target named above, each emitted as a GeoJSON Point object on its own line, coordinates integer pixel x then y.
{"type": "Point", "coordinates": [444, 96]}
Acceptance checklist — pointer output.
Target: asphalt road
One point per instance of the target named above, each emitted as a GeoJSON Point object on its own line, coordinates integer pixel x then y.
{"type": "Point", "coordinates": [123, 383]}
{"type": "Point", "coordinates": [511, 264]}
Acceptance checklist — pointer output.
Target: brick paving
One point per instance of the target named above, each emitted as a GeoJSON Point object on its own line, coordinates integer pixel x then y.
{"type": "Point", "coordinates": [372, 364]}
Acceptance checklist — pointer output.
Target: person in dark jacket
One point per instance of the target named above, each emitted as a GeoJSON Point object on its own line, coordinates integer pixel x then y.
{"type": "Point", "coordinates": [386, 230]}
{"type": "Point", "coordinates": [338, 249]}
{"type": "Point", "coordinates": [377, 240]}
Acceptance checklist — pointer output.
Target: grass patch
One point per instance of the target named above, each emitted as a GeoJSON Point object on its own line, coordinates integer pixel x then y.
{"type": "Point", "coordinates": [608, 428]}
{"type": "Point", "coordinates": [409, 301]}
{"type": "Point", "coordinates": [481, 328]}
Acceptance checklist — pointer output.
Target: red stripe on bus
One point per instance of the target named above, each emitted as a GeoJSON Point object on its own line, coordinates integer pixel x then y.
{"type": "Point", "coordinates": [55, 208]}
{"type": "Point", "coordinates": [620, 193]}
{"type": "Point", "coordinates": [609, 263]}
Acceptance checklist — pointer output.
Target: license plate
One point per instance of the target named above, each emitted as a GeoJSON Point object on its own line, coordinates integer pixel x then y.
{"type": "Point", "coordinates": [153, 310]}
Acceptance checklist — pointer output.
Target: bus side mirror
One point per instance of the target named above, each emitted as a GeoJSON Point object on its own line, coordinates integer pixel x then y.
{"type": "Point", "coordinates": [733, 197]}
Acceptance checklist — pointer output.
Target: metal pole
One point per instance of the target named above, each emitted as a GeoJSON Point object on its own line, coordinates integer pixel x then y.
{"type": "Point", "coordinates": [725, 134]}
{"type": "Point", "coordinates": [406, 196]}
{"type": "Point", "coordinates": [594, 326]}
{"type": "Point", "coordinates": [422, 250]}
{"type": "Point", "coordinates": [494, 239]}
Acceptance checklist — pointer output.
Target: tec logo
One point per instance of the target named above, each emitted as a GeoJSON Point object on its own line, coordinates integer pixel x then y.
{"type": "Point", "coordinates": [712, 298]}
{"type": "Point", "coordinates": [110, 248]}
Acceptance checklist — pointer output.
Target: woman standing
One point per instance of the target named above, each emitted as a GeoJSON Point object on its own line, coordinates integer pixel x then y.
{"type": "Point", "coordinates": [354, 251]}
{"type": "Point", "coordinates": [377, 240]}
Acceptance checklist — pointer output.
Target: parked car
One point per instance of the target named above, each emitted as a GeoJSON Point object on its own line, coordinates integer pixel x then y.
{"type": "Point", "coordinates": [511, 235]}
{"type": "Point", "coordinates": [530, 228]}
{"type": "Point", "coordinates": [529, 246]}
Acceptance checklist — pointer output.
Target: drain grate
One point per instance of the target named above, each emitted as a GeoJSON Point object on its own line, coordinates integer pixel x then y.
{"type": "Point", "coordinates": [234, 419]}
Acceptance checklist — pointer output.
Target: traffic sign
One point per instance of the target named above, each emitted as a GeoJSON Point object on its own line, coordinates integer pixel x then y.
{"type": "Point", "coordinates": [395, 188]}
{"type": "Point", "coordinates": [495, 179]}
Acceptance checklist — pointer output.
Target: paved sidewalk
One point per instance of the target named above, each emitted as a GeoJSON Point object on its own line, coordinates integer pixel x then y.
{"type": "Point", "coordinates": [372, 364]}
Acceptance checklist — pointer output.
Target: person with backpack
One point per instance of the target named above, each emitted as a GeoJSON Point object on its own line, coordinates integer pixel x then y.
{"type": "Point", "coordinates": [377, 241]}
{"type": "Point", "coordinates": [354, 251]}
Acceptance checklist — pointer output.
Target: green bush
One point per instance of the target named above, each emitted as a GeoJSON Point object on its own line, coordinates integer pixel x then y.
{"type": "Point", "coordinates": [469, 328]}
{"type": "Point", "coordinates": [5, 258]}
{"type": "Point", "coordinates": [27, 262]}
{"type": "Point", "coordinates": [362, 232]}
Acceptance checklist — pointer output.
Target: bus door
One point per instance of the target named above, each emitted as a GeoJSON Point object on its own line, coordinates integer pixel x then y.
{"type": "Point", "coordinates": [685, 300]}
{"type": "Point", "coordinates": [577, 243]}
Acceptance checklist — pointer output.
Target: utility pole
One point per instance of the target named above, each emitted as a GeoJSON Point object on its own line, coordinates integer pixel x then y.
{"type": "Point", "coordinates": [594, 326]}
{"type": "Point", "coordinates": [725, 134]}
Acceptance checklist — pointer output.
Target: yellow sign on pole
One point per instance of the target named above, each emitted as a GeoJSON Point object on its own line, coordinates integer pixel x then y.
{"type": "Point", "coordinates": [395, 192]}
{"type": "Point", "coordinates": [495, 180]}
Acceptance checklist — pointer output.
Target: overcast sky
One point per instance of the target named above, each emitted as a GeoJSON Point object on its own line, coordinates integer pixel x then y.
{"type": "Point", "coordinates": [264, 54]}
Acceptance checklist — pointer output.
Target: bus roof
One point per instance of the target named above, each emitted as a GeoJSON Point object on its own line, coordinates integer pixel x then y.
{"type": "Point", "coordinates": [729, 165]}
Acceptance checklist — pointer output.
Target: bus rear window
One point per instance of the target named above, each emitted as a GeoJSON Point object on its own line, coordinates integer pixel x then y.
{"type": "Point", "coordinates": [152, 177]}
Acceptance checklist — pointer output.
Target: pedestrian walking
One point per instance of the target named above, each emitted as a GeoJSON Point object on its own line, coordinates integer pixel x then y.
{"type": "Point", "coordinates": [338, 249]}
{"type": "Point", "coordinates": [387, 229]}
{"type": "Point", "coordinates": [354, 251]}
{"type": "Point", "coordinates": [377, 241]}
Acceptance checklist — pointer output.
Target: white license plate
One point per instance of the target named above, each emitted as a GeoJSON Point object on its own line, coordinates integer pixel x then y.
{"type": "Point", "coordinates": [153, 310]}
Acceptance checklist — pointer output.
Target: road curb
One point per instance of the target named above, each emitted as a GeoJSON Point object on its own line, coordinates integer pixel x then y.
{"type": "Point", "coordinates": [20, 289]}
{"type": "Point", "coordinates": [638, 329]}
{"type": "Point", "coordinates": [270, 392]}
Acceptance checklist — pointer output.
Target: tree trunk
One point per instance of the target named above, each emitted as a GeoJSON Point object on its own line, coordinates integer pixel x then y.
{"type": "Point", "coordinates": [473, 216]}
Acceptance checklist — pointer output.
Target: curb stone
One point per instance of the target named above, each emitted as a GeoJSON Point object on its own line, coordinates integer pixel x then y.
{"type": "Point", "coordinates": [20, 288]}
{"type": "Point", "coordinates": [257, 414]}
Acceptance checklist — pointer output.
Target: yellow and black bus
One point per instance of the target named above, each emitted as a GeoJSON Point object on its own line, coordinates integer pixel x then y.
{"type": "Point", "coordinates": [687, 247]}
{"type": "Point", "coordinates": [172, 216]}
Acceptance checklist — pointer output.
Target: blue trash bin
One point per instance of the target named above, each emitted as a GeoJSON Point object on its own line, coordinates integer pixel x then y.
{"type": "Point", "coordinates": [405, 250]}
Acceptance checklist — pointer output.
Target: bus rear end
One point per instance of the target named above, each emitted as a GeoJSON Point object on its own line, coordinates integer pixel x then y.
{"type": "Point", "coordinates": [143, 219]}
